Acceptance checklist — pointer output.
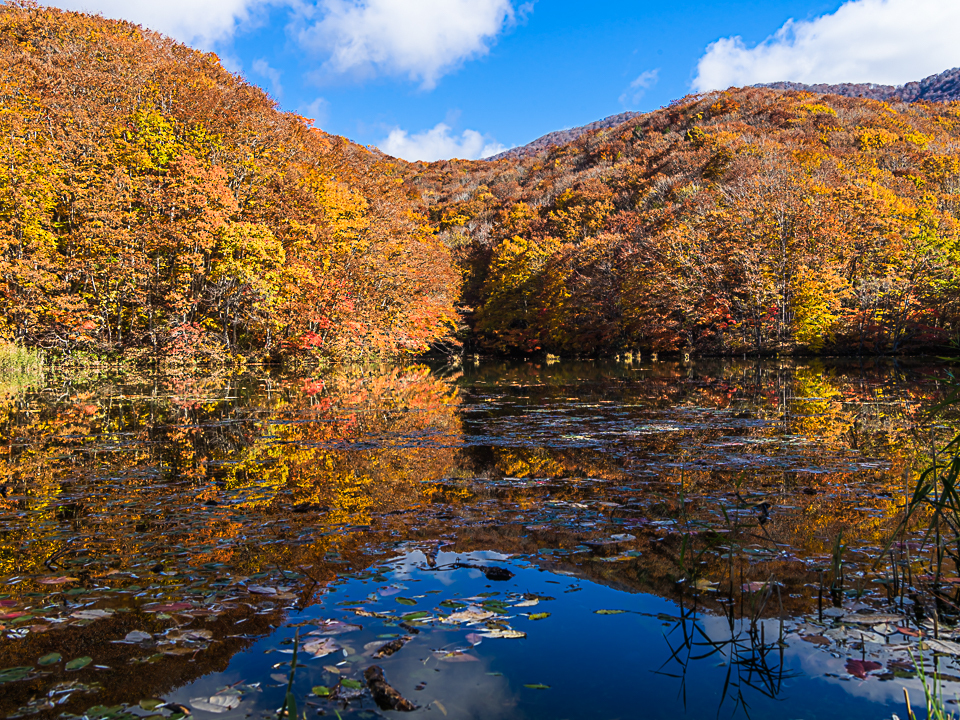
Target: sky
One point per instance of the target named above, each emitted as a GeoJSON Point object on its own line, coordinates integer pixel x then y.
{"type": "Point", "coordinates": [433, 79]}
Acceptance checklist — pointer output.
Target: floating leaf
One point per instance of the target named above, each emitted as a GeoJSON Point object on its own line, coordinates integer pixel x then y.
{"type": "Point", "coordinates": [91, 614]}
{"type": "Point", "coordinates": [351, 684]}
{"type": "Point", "coordinates": [537, 686]}
{"type": "Point", "coordinates": [474, 639]}
{"type": "Point", "coordinates": [504, 634]}
{"type": "Point", "coordinates": [151, 704]}
{"type": "Point", "coordinates": [14, 673]}
{"type": "Point", "coordinates": [470, 615]}
{"type": "Point", "coordinates": [170, 607]}
{"type": "Point", "coordinates": [321, 690]}
{"type": "Point", "coordinates": [216, 704]}
{"type": "Point", "coordinates": [455, 656]}
{"type": "Point", "coordinates": [50, 659]}
{"type": "Point", "coordinates": [79, 663]}
{"type": "Point", "coordinates": [406, 601]}
{"type": "Point", "coordinates": [538, 616]}
{"type": "Point", "coordinates": [860, 668]}
{"type": "Point", "coordinates": [321, 648]}
{"type": "Point", "coordinates": [418, 615]}
{"type": "Point", "coordinates": [136, 636]}
{"type": "Point", "coordinates": [609, 612]}
{"type": "Point", "coordinates": [57, 580]}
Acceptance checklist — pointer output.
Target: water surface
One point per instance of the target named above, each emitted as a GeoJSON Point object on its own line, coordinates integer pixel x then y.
{"type": "Point", "coordinates": [579, 540]}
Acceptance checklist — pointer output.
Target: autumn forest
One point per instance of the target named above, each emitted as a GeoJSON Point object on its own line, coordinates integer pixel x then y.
{"type": "Point", "coordinates": [152, 204]}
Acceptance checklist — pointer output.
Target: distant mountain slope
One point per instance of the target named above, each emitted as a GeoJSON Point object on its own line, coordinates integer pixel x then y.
{"type": "Point", "coordinates": [943, 87]}
{"type": "Point", "coordinates": [562, 137]}
{"type": "Point", "coordinates": [753, 220]}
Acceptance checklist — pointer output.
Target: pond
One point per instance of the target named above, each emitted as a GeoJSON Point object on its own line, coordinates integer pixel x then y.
{"type": "Point", "coordinates": [498, 540]}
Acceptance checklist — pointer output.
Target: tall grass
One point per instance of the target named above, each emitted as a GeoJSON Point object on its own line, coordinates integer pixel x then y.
{"type": "Point", "coordinates": [20, 368]}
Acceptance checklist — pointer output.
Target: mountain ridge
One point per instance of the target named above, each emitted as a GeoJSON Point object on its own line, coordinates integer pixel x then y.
{"type": "Point", "coordinates": [942, 87]}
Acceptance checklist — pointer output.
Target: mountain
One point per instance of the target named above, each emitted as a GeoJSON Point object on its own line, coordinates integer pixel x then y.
{"type": "Point", "coordinates": [944, 87]}
{"type": "Point", "coordinates": [562, 137]}
{"type": "Point", "coordinates": [754, 220]}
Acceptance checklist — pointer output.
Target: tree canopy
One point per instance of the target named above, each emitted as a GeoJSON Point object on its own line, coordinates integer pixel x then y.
{"type": "Point", "coordinates": [150, 200]}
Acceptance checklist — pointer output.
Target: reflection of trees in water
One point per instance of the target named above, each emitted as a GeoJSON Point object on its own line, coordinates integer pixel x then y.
{"type": "Point", "coordinates": [303, 479]}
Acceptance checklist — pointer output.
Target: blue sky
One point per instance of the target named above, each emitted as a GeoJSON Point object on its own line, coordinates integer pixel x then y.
{"type": "Point", "coordinates": [425, 79]}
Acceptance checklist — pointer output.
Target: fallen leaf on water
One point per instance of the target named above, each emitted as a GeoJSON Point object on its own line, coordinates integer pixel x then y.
{"type": "Point", "coordinates": [370, 613]}
{"type": "Point", "coordinates": [877, 619]}
{"type": "Point", "coordinates": [150, 704]}
{"type": "Point", "coordinates": [136, 636]}
{"type": "Point", "coordinates": [406, 601]}
{"type": "Point", "coordinates": [169, 607]}
{"type": "Point", "coordinates": [79, 663]}
{"type": "Point", "coordinates": [537, 686]}
{"type": "Point", "coordinates": [454, 656]}
{"type": "Point", "coordinates": [474, 638]}
{"type": "Point", "coordinates": [262, 590]}
{"type": "Point", "coordinates": [216, 704]}
{"type": "Point", "coordinates": [506, 634]}
{"type": "Point", "coordinates": [321, 648]}
{"type": "Point", "coordinates": [321, 690]}
{"type": "Point", "coordinates": [50, 659]}
{"type": "Point", "coordinates": [527, 603]}
{"type": "Point", "coordinates": [704, 585]}
{"type": "Point", "coordinates": [14, 673]}
{"type": "Point", "coordinates": [440, 707]}
{"type": "Point", "coordinates": [816, 639]}
{"type": "Point", "coordinates": [941, 646]}
{"type": "Point", "coordinates": [57, 580]}
{"type": "Point", "coordinates": [351, 684]}
{"type": "Point", "coordinates": [91, 614]}
{"type": "Point", "coordinates": [334, 627]}
{"type": "Point", "coordinates": [860, 668]}
{"type": "Point", "coordinates": [608, 612]}
{"type": "Point", "coordinates": [538, 616]}
{"type": "Point", "coordinates": [390, 590]}
{"type": "Point", "coordinates": [470, 615]}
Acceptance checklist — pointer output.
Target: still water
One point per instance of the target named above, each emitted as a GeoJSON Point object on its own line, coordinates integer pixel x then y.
{"type": "Point", "coordinates": [522, 541]}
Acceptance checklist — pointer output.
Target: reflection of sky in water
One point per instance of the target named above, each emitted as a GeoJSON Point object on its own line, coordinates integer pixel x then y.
{"type": "Point", "coordinates": [597, 666]}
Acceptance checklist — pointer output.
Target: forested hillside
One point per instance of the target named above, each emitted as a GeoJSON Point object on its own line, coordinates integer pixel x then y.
{"type": "Point", "coordinates": [152, 202]}
{"type": "Point", "coordinates": [743, 221]}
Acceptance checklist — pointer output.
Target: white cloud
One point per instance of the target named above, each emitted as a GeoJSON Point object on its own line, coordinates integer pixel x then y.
{"type": "Point", "coordinates": [262, 68]}
{"type": "Point", "coordinates": [420, 39]}
{"type": "Point", "coordinates": [632, 96]}
{"type": "Point", "coordinates": [201, 22]}
{"type": "Point", "coordinates": [318, 110]}
{"type": "Point", "coordinates": [439, 144]}
{"type": "Point", "coordinates": [881, 41]}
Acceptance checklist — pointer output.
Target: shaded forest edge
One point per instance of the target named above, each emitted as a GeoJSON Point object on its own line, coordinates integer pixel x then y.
{"type": "Point", "coordinates": [152, 204]}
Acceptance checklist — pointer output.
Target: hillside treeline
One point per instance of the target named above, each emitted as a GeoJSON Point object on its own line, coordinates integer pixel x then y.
{"type": "Point", "coordinates": [743, 221]}
{"type": "Point", "coordinates": [151, 201]}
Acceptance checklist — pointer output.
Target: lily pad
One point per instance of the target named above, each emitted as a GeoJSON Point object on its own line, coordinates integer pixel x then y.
{"type": "Point", "coordinates": [79, 663]}
{"type": "Point", "coordinates": [50, 659]}
{"type": "Point", "coordinates": [351, 684]}
{"type": "Point", "coordinates": [321, 691]}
